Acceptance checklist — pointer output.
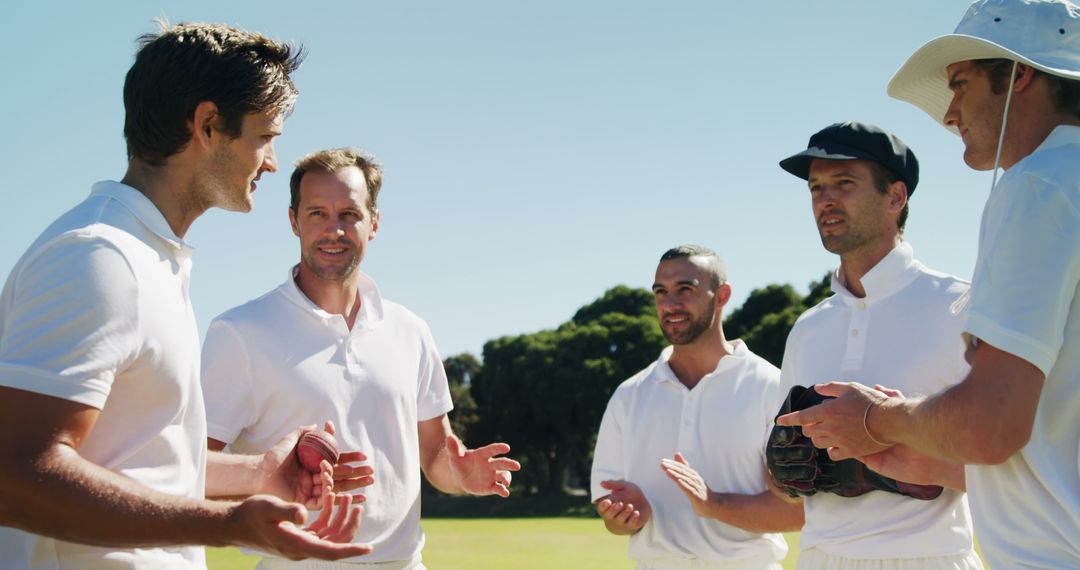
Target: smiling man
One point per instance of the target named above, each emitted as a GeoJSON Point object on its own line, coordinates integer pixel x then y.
{"type": "Point", "coordinates": [891, 322]}
{"type": "Point", "coordinates": [326, 344]}
{"type": "Point", "coordinates": [706, 401]}
{"type": "Point", "coordinates": [102, 425]}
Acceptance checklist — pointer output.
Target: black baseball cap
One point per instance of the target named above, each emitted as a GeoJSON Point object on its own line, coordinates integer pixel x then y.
{"type": "Point", "coordinates": [857, 141]}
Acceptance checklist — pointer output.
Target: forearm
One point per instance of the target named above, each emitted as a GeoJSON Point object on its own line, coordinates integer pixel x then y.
{"type": "Point", "coordinates": [233, 475]}
{"type": "Point", "coordinates": [438, 473]}
{"type": "Point", "coordinates": [764, 512]}
{"type": "Point", "coordinates": [61, 495]}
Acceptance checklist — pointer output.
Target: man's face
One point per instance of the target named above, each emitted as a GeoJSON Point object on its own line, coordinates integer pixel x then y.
{"type": "Point", "coordinates": [850, 212]}
{"type": "Point", "coordinates": [976, 112]}
{"type": "Point", "coordinates": [333, 222]}
{"type": "Point", "coordinates": [236, 164]}
{"type": "Point", "coordinates": [685, 299]}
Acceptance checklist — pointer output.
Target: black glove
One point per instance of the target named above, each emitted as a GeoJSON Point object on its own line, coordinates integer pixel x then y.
{"type": "Point", "coordinates": [799, 468]}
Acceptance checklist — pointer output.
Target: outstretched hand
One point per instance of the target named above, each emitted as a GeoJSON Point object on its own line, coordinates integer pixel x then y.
{"type": "Point", "coordinates": [273, 525]}
{"type": "Point", "coordinates": [479, 471]}
{"type": "Point", "coordinates": [690, 482]}
{"type": "Point", "coordinates": [625, 510]}
{"type": "Point", "coordinates": [837, 424]}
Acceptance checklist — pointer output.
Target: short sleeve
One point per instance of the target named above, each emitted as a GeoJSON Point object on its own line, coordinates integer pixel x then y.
{"type": "Point", "coordinates": [433, 389]}
{"type": "Point", "coordinates": [226, 382]}
{"type": "Point", "coordinates": [1027, 272]}
{"type": "Point", "coordinates": [69, 320]}
{"type": "Point", "coordinates": [608, 455]}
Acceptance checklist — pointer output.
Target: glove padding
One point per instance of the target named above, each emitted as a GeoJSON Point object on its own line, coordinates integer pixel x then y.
{"type": "Point", "coordinates": [801, 469]}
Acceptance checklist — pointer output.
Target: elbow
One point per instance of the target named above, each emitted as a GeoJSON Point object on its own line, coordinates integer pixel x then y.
{"type": "Point", "coordinates": [999, 448]}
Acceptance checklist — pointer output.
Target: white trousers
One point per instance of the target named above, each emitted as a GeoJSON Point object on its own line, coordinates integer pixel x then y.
{"type": "Point", "coordinates": [413, 563]}
{"type": "Point", "coordinates": [765, 562]}
{"type": "Point", "coordinates": [814, 559]}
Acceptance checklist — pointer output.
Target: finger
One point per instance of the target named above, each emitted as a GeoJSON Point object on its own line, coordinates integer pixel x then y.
{"type": "Point", "coordinates": [681, 459]}
{"type": "Point", "coordinates": [799, 418]}
{"type": "Point", "coordinates": [346, 485]}
{"type": "Point", "coordinates": [492, 449]}
{"type": "Point", "coordinates": [351, 457]}
{"type": "Point", "coordinates": [602, 506]}
{"type": "Point", "coordinates": [499, 490]}
{"type": "Point", "coordinates": [341, 514]}
{"type": "Point", "coordinates": [503, 477]}
{"type": "Point", "coordinates": [505, 464]}
{"type": "Point", "coordinates": [838, 453]}
{"type": "Point", "coordinates": [834, 389]}
{"type": "Point", "coordinates": [623, 517]}
{"type": "Point", "coordinates": [888, 391]}
{"type": "Point", "coordinates": [328, 427]}
{"type": "Point", "coordinates": [349, 526]}
{"type": "Point", "coordinates": [635, 520]}
{"type": "Point", "coordinates": [297, 543]}
{"type": "Point", "coordinates": [324, 515]}
{"type": "Point", "coordinates": [350, 471]}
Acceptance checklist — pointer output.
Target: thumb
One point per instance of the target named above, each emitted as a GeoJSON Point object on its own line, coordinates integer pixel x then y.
{"type": "Point", "coordinates": [832, 388]}
{"type": "Point", "coordinates": [613, 485]}
{"type": "Point", "coordinates": [454, 446]}
{"type": "Point", "coordinates": [679, 457]}
{"type": "Point", "coordinates": [328, 427]}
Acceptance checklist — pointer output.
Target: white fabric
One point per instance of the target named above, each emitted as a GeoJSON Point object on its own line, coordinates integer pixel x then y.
{"type": "Point", "coordinates": [97, 312]}
{"type": "Point", "coordinates": [1044, 34]}
{"type": "Point", "coordinates": [719, 427]}
{"type": "Point", "coordinates": [280, 361]}
{"type": "Point", "coordinates": [904, 334]}
{"type": "Point", "coordinates": [414, 563]}
{"type": "Point", "coordinates": [1025, 302]}
{"type": "Point", "coordinates": [814, 559]}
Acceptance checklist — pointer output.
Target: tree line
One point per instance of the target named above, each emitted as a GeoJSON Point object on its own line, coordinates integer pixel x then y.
{"type": "Point", "coordinates": [545, 392]}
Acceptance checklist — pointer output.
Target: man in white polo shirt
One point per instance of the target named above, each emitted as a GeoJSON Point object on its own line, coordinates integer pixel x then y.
{"type": "Point", "coordinates": [892, 322]}
{"type": "Point", "coordinates": [326, 344]}
{"type": "Point", "coordinates": [701, 390]}
{"type": "Point", "coordinates": [1013, 69]}
{"type": "Point", "coordinates": [102, 426]}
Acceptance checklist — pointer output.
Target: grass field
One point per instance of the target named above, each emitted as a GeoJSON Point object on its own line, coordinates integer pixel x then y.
{"type": "Point", "coordinates": [532, 543]}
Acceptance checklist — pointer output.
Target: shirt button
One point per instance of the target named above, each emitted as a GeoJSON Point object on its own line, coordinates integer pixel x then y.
{"type": "Point", "coordinates": [862, 304]}
{"type": "Point", "coordinates": [855, 332]}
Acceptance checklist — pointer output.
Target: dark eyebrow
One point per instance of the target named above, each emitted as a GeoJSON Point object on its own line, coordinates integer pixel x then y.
{"type": "Point", "coordinates": [953, 81]}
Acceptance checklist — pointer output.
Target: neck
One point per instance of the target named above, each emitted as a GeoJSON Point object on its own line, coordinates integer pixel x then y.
{"type": "Point", "coordinates": [172, 190]}
{"type": "Point", "coordinates": [854, 265]}
{"type": "Point", "coordinates": [691, 362]}
{"type": "Point", "coordinates": [339, 297]}
{"type": "Point", "coordinates": [1031, 120]}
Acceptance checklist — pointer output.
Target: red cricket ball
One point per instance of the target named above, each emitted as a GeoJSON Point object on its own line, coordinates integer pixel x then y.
{"type": "Point", "coordinates": [313, 447]}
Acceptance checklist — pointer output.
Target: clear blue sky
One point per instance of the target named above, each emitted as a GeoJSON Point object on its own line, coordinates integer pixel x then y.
{"type": "Point", "coordinates": [536, 154]}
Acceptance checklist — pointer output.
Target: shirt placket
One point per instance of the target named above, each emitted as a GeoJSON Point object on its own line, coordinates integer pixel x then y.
{"type": "Point", "coordinates": [688, 420]}
{"type": "Point", "coordinates": [858, 326]}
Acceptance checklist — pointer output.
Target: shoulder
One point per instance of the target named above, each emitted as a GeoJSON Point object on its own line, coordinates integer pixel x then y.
{"type": "Point", "coordinates": [254, 312]}
{"type": "Point", "coordinates": [402, 316]}
{"type": "Point", "coordinates": [819, 313]}
{"type": "Point", "coordinates": [641, 380]}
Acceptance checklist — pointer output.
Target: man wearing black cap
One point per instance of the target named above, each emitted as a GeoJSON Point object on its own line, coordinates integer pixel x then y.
{"type": "Point", "coordinates": [892, 322]}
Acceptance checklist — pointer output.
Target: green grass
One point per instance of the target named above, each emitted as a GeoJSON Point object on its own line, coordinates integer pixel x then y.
{"type": "Point", "coordinates": [531, 543]}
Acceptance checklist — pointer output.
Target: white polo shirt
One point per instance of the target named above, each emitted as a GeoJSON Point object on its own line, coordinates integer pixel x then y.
{"type": "Point", "coordinates": [280, 361]}
{"type": "Point", "coordinates": [1026, 301]}
{"type": "Point", "coordinates": [97, 312]}
{"type": "Point", "coordinates": [719, 427]}
{"type": "Point", "coordinates": [904, 334]}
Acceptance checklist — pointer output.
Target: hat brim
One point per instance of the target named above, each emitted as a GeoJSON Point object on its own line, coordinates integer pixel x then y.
{"type": "Point", "coordinates": [923, 82]}
{"type": "Point", "coordinates": [799, 164]}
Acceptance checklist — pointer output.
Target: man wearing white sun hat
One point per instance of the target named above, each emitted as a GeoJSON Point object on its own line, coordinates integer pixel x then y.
{"type": "Point", "coordinates": [1013, 70]}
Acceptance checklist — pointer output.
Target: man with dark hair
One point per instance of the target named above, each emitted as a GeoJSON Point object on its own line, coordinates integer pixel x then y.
{"type": "Point", "coordinates": [720, 513]}
{"type": "Point", "coordinates": [326, 344]}
{"type": "Point", "coordinates": [102, 425]}
{"type": "Point", "coordinates": [893, 322]}
{"type": "Point", "coordinates": [1014, 417]}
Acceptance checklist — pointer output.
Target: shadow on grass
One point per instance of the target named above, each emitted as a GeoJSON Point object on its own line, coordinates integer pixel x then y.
{"type": "Point", "coordinates": [446, 506]}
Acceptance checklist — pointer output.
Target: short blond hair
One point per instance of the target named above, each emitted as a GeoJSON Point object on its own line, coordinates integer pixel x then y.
{"type": "Point", "coordinates": [333, 160]}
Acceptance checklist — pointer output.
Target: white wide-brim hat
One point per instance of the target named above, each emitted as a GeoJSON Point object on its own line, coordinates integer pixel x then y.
{"type": "Point", "coordinates": [1044, 34]}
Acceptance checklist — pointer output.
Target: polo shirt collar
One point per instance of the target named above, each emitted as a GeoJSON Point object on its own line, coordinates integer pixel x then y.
{"type": "Point", "coordinates": [371, 302]}
{"type": "Point", "coordinates": [663, 372]}
{"type": "Point", "coordinates": [894, 272]}
{"type": "Point", "coordinates": [1061, 135]}
{"type": "Point", "coordinates": [143, 209]}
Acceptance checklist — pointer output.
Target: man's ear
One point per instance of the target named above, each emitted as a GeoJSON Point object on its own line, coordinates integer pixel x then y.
{"type": "Point", "coordinates": [374, 225]}
{"type": "Point", "coordinates": [898, 196]}
{"type": "Point", "coordinates": [205, 123]}
{"type": "Point", "coordinates": [723, 295]}
{"type": "Point", "coordinates": [293, 222]}
{"type": "Point", "coordinates": [1025, 74]}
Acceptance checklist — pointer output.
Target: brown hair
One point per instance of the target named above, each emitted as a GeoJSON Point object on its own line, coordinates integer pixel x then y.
{"type": "Point", "coordinates": [181, 66]}
{"type": "Point", "coordinates": [882, 178]}
{"type": "Point", "coordinates": [333, 160]}
{"type": "Point", "coordinates": [1065, 93]}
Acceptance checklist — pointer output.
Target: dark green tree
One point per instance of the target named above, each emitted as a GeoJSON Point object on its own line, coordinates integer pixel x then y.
{"type": "Point", "coordinates": [460, 370]}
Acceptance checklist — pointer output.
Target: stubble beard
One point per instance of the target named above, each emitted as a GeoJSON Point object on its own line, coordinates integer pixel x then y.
{"type": "Point", "coordinates": [697, 328]}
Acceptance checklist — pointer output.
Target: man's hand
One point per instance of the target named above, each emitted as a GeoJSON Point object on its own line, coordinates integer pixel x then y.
{"type": "Point", "coordinates": [479, 471]}
{"type": "Point", "coordinates": [691, 483]}
{"type": "Point", "coordinates": [281, 475]}
{"type": "Point", "coordinates": [625, 510]}
{"type": "Point", "coordinates": [905, 464]}
{"type": "Point", "coordinates": [273, 526]}
{"type": "Point", "coordinates": [838, 424]}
